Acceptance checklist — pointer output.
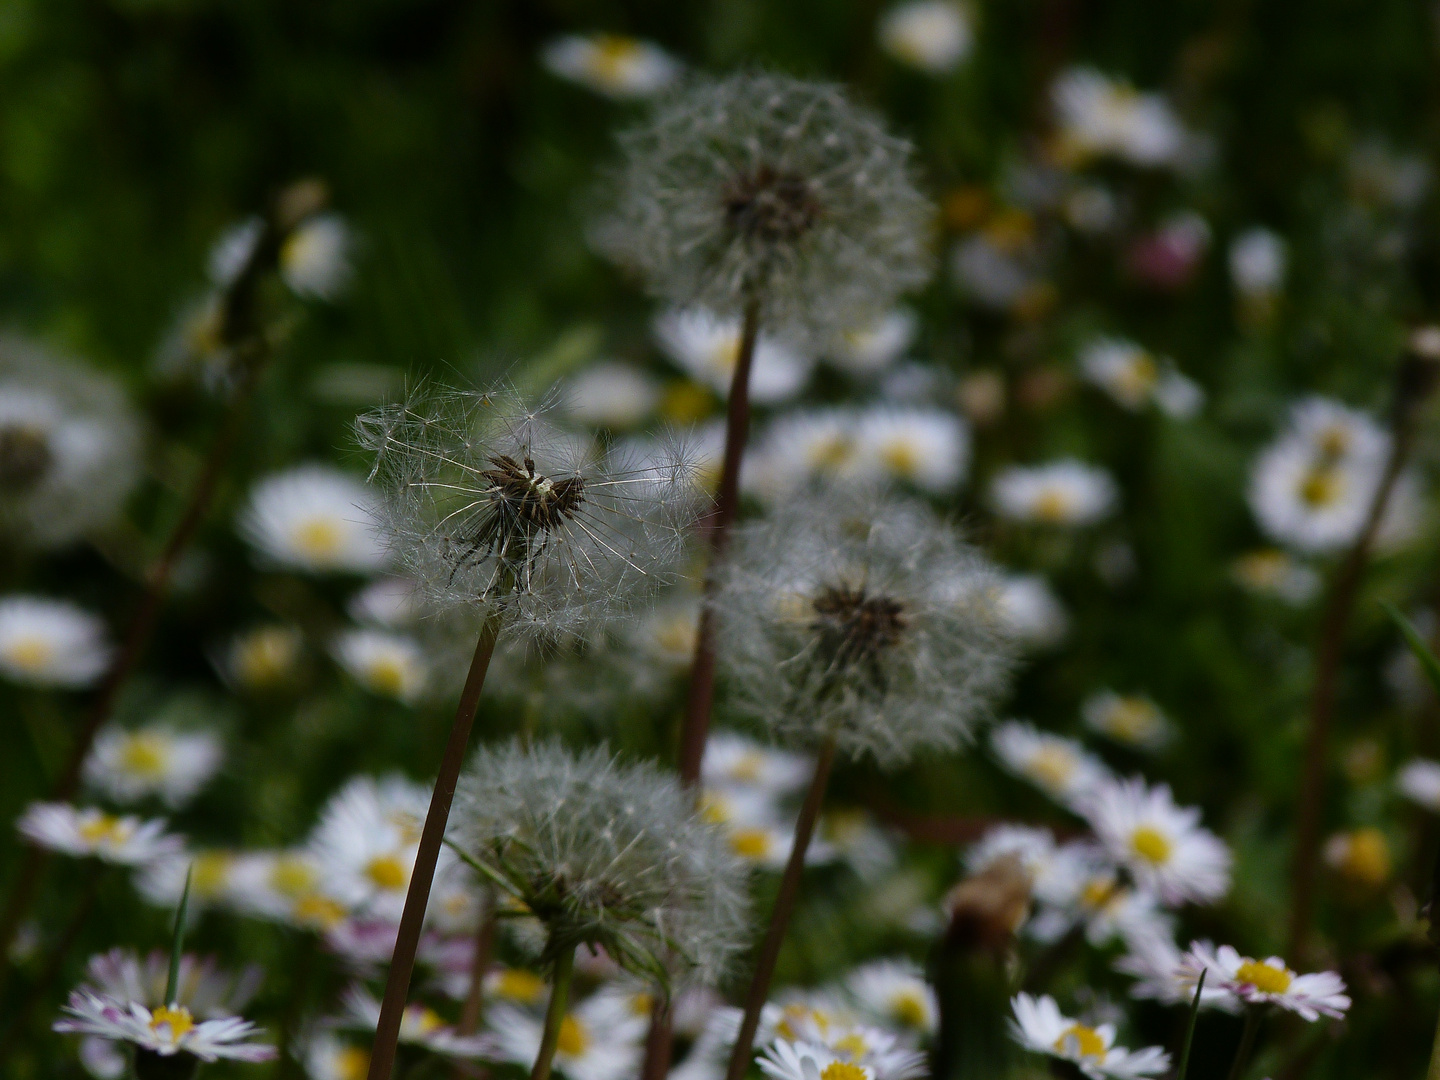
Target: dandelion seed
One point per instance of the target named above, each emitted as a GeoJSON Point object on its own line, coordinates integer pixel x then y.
{"type": "Point", "coordinates": [50, 643]}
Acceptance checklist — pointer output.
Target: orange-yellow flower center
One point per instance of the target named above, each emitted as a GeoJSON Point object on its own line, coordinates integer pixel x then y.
{"type": "Point", "coordinates": [1052, 766]}
{"type": "Point", "coordinates": [318, 538]}
{"type": "Point", "coordinates": [574, 1039]}
{"type": "Point", "coordinates": [351, 1063]}
{"type": "Point", "coordinates": [1081, 1041]}
{"type": "Point", "coordinates": [750, 843]}
{"type": "Point", "coordinates": [1320, 487]}
{"type": "Point", "coordinates": [842, 1070]}
{"type": "Point", "coordinates": [317, 911]}
{"type": "Point", "coordinates": [103, 829]}
{"type": "Point", "coordinates": [519, 985]}
{"type": "Point", "coordinates": [387, 872]}
{"type": "Point", "coordinates": [1151, 845]}
{"type": "Point", "coordinates": [144, 755]}
{"type": "Point", "coordinates": [909, 1010]}
{"type": "Point", "coordinates": [1053, 506]}
{"type": "Point", "coordinates": [1265, 977]}
{"type": "Point", "coordinates": [175, 1017]}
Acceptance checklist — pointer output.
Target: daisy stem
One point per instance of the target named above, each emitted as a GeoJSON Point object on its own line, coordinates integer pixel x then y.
{"type": "Point", "coordinates": [727, 504]}
{"type": "Point", "coordinates": [474, 1006]}
{"type": "Point", "coordinates": [1190, 1027]}
{"type": "Point", "coordinates": [1414, 382]}
{"type": "Point", "coordinates": [554, 1014]}
{"type": "Point", "coordinates": [780, 916]}
{"type": "Point", "coordinates": [1247, 1043]}
{"type": "Point", "coordinates": [412, 919]}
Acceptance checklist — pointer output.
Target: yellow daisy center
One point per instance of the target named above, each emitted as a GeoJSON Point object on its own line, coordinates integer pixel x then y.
{"type": "Point", "coordinates": [641, 1003]}
{"type": "Point", "coordinates": [1139, 376]}
{"type": "Point", "coordinates": [1151, 845]}
{"type": "Point", "coordinates": [1132, 718]}
{"type": "Point", "coordinates": [1052, 766]}
{"type": "Point", "coordinates": [519, 985]}
{"type": "Point", "coordinates": [842, 1070]}
{"type": "Point", "coordinates": [210, 873]}
{"type": "Point", "coordinates": [144, 755]}
{"type": "Point", "coordinates": [725, 355]}
{"type": "Point", "coordinates": [613, 54]}
{"type": "Point", "coordinates": [1367, 857]}
{"type": "Point", "coordinates": [176, 1017]}
{"type": "Point", "coordinates": [290, 876]}
{"type": "Point", "coordinates": [909, 1010]}
{"type": "Point", "coordinates": [1053, 506]}
{"type": "Point", "coordinates": [386, 675]}
{"type": "Point", "coordinates": [676, 637]}
{"type": "Point", "coordinates": [1098, 892]}
{"type": "Point", "coordinates": [1320, 488]}
{"type": "Point", "coordinates": [103, 829]}
{"type": "Point", "coordinates": [30, 653]}
{"type": "Point", "coordinates": [1334, 441]}
{"type": "Point", "coordinates": [901, 458]}
{"type": "Point", "coordinates": [573, 1039]}
{"type": "Point", "coordinates": [829, 453]}
{"type": "Point", "coordinates": [318, 538]}
{"type": "Point", "coordinates": [265, 657]}
{"type": "Point", "coordinates": [1082, 1041]}
{"type": "Point", "coordinates": [750, 843]}
{"type": "Point", "coordinates": [747, 767]}
{"type": "Point", "coordinates": [851, 1045]}
{"type": "Point", "coordinates": [387, 872]}
{"type": "Point", "coordinates": [1265, 977]}
{"type": "Point", "coordinates": [318, 911]}
{"type": "Point", "coordinates": [686, 402]}
{"type": "Point", "coordinates": [351, 1063]}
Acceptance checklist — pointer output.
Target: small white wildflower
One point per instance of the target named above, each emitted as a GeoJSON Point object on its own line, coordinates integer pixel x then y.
{"type": "Point", "coordinates": [1159, 966]}
{"type": "Point", "coordinates": [315, 518]}
{"type": "Point", "coordinates": [388, 664]}
{"type": "Point", "coordinates": [1361, 857]}
{"type": "Point", "coordinates": [166, 1031]}
{"type": "Point", "coordinates": [1084, 889]}
{"type": "Point", "coordinates": [1268, 982]}
{"type": "Point", "coordinates": [928, 448]}
{"type": "Point", "coordinates": [997, 269]}
{"type": "Point", "coordinates": [328, 1057]}
{"type": "Point", "coordinates": [1162, 845]}
{"type": "Point", "coordinates": [1030, 612]}
{"type": "Point", "coordinates": [292, 887]}
{"type": "Point", "coordinates": [1065, 493]}
{"type": "Point", "coordinates": [1135, 378]}
{"type": "Point", "coordinates": [863, 619]}
{"type": "Point", "coordinates": [1273, 572]}
{"type": "Point", "coordinates": [616, 66]}
{"type": "Point", "coordinates": [799, 448]}
{"type": "Point", "coordinates": [1419, 780]}
{"type": "Point", "coordinates": [201, 985]}
{"type": "Point", "coordinates": [1132, 719]}
{"type": "Point", "coordinates": [315, 257]}
{"type": "Point", "coordinates": [211, 874]}
{"type": "Point", "coordinates": [230, 253]}
{"type": "Point", "coordinates": [931, 35]}
{"type": "Point", "coordinates": [50, 642]}
{"type": "Point", "coordinates": [1060, 767]}
{"type": "Point", "coordinates": [601, 1038]}
{"type": "Point", "coordinates": [262, 658]}
{"type": "Point", "coordinates": [157, 759]}
{"type": "Point", "coordinates": [667, 634]}
{"type": "Point", "coordinates": [1100, 117]}
{"type": "Point", "coordinates": [895, 993]}
{"type": "Point", "coordinates": [1038, 1025]}
{"type": "Point", "coordinates": [707, 347]}
{"type": "Point", "coordinates": [82, 833]}
{"type": "Point", "coordinates": [611, 394]}
{"type": "Point", "coordinates": [733, 760]}
{"type": "Point", "coordinates": [873, 347]}
{"type": "Point", "coordinates": [1257, 262]}
{"type": "Point", "coordinates": [419, 1026]}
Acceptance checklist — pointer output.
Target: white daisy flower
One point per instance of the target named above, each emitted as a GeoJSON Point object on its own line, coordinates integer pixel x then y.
{"type": "Point", "coordinates": [50, 642]}
{"type": "Point", "coordinates": [611, 394]}
{"type": "Point", "coordinates": [262, 658]}
{"type": "Point", "coordinates": [997, 269]}
{"type": "Point", "coordinates": [895, 993]}
{"type": "Point", "coordinates": [786, 1060]}
{"type": "Point", "coordinates": [387, 664]}
{"type": "Point", "coordinates": [1058, 766]}
{"type": "Point", "coordinates": [801, 447]}
{"type": "Point", "coordinates": [1039, 1025]}
{"type": "Point", "coordinates": [1135, 378]}
{"type": "Point", "coordinates": [366, 840]}
{"type": "Point", "coordinates": [857, 840]}
{"type": "Point", "coordinates": [707, 347]}
{"type": "Point", "coordinates": [102, 1059]}
{"type": "Point", "coordinates": [666, 634]}
{"type": "Point", "coordinates": [601, 1038]}
{"type": "Point", "coordinates": [828, 1024]}
{"type": "Point", "coordinates": [756, 830]}
{"type": "Point", "coordinates": [315, 518]}
{"type": "Point", "coordinates": [1360, 856]}
{"type": "Point", "coordinates": [166, 1030]}
{"type": "Point", "coordinates": [1101, 117]}
{"type": "Point", "coordinates": [732, 760]}
{"type": "Point", "coordinates": [289, 887]}
{"type": "Point", "coordinates": [1257, 262]}
{"type": "Point", "coordinates": [1159, 966]}
{"type": "Point", "coordinates": [1030, 611]}
{"type": "Point", "coordinates": [517, 985]}
{"type": "Point", "coordinates": [1132, 719]}
{"type": "Point", "coordinates": [158, 759]}
{"type": "Point", "coordinates": [328, 1057]}
{"type": "Point", "coordinates": [1065, 493]}
{"type": "Point", "coordinates": [933, 36]}
{"type": "Point", "coordinates": [1268, 982]}
{"type": "Point", "coordinates": [1086, 890]}
{"type": "Point", "coordinates": [618, 67]}
{"type": "Point", "coordinates": [869, 349]}
{"type": "Point", "coordinates": [1162, 845]}
{"type": "Point", "coordinates": [211, 874]}
{"type": "Point", "coordinates": [419, 1026]}
{"type": "Point", "coordinates": [1273, 572]}
{"type": "Point", "coordinates": [929, 448]}
{"type": "Point", "coordinates": [1419, 780]}
{"type": "Point", "coordinates": [388, 601]}
{"type": "Point", "coordinates": [315, 257]}
{"type": "Point", "coordinates": [128, 841]}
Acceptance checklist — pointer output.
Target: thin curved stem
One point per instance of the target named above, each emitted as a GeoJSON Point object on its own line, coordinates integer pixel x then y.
{"type": "Point", "coordinates": [780, 916]}
{"type": "Point", "coordinates": [432, 836]}
{"type": "Point", "coordinates": [1247, 1044]}
{"type": "Point", "coordinates": [554, 1014]}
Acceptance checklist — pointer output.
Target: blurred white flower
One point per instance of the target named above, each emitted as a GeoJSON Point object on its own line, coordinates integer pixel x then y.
{"type": "Point", "coordinates": [707, 348]}
{"type": "Point", "coordinates": [868, 349]}
{"type": "Point", "coordinates": [600, 1038]}
{"type": "Point", "coordinates": [262, 658]}
{"type": "Point", "coordinates": [929, 448]}
{"type": "Point", "coordinates": [391, 665]}
{"type": "Point", "coordinates": [128, 841]}
{"type": "Point", "coordinates": [1162, 845]}
{"type": "Point", "coordinates": [157, 759]}
{"type": "Point", "coordinates": [997, 268]}
{"type": "Point", "coordinates": [1268, 982]}
{"type": "Point", "coordinates": [328, 1057]}
{"type": "Point", "coordinates": [798, 447]}
{"type": "Point", "coordinates": [1030, 610]}
{"type": "Point", "coordinates": [1273, 572]}
{"type": "Point", "coordinates": [734, 761]}
{"type": "Point", "coordinates": [610, 394]}
{"type": "Point", "coordinates": [386, 601]}
{"type": "Point", "coordinates": [1100, 117]}
{"type": "Point", "coordinates": [666, 634]}
{"type": "Point", "coordinates": [315, 518]}
{"type": "Point", "coordinates": [1058, 766]}
{"type": "Point", "coordinates": [616, 66]}
{"type": "Point", "coordinates": [931, 35]}
{"type": "Point", "coordinates": [1257, 262]}
{"type": "Point", "coordinates": [1132, 719]}
{"type": "Point", "coordinates": [233, 249]}
{"type": "Point", "coordinates": [419, 1026]}
{"type": "Point", "coordinates": [1419, 780]}
{"type": "Point", "coordinates": [1159, 966]}
{"type": "Point", "coordinates": [211, 874]}
{"type": "Point", "coordinates": [896, 994]}
{"type": "Point", "coordinates": [1360, 856]}
{"type": "Point", "coordinates": [290, 887]}
{"type": "Point", "coordinates": [315, 257]}
{"type": "Point", "coordinates": [50, 642]}
{"type": "Point", "coordinates": [1064, 493]}
{"type": "Point", "coordinates": [1084, 889]}
{"type": "Point", "coordinates": [1039, 1025]}
{"type": "Point", "coordinates": [1135, 378]}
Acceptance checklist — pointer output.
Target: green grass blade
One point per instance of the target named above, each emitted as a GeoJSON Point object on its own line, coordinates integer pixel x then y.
{"type": "Point", "coordinates": [1190, 1028]}
{"type": "Point", "coordinates": [1417, 645]}
{"type": "Point", "coordinates": [177, 942]}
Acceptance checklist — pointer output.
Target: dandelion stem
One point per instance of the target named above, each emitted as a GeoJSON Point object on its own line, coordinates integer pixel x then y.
{"type": "Point", "coordinates": [727, 503]}
{"type": "Point", "coordinates": [657, 1041]}
{"type": "Point", "coordinates": [412, 919]}
{"type": "Point", "coordinates": [554, 1014]}
{"type": "Point", "coordinates": [1413, 385]}
{"type": "Point", "coordinates": [1247, 1044]}
{"type": "Point", "coordinates": [780, 916]}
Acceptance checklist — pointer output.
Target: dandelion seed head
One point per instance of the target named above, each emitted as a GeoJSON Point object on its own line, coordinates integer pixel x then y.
{"type": "Point", "coordinates": [763, 188]}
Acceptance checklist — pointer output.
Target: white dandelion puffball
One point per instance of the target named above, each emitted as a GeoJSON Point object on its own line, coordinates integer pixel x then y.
{"type": "Point", "coordinates": [1038, 1025]}
{"type": "Point", "coordinates": [1100, 117]}
{"type": "Point", "coordinates": [933, 36]}
{"type": "Point", "coordinates": [760, 189]}
{"type": "Point", "coordinates": [315, 257]}
{"type": "Point", "coordinates": [388, 664]}
{"type": "Point", "coordinates": [47, 642]}
{"type": "Point", "coordinates": [315, 518]}
{"type": "Point", "coordinates": [707, 347]}
{"type": "Point", "coordinates": [1067, 493]}
{"type": "Point", "coordinates": [862, 618]}
{"type": "Point", "coordinates": [69, 446]}
{"type": "Point", "coordinates": [130, 764]}
{"type": "Point", "coordinates": [496, 510]}
{"type": "Point", "coordinates": [610, 64]}
{"type": "Point", "coordinates": [607, 854]}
